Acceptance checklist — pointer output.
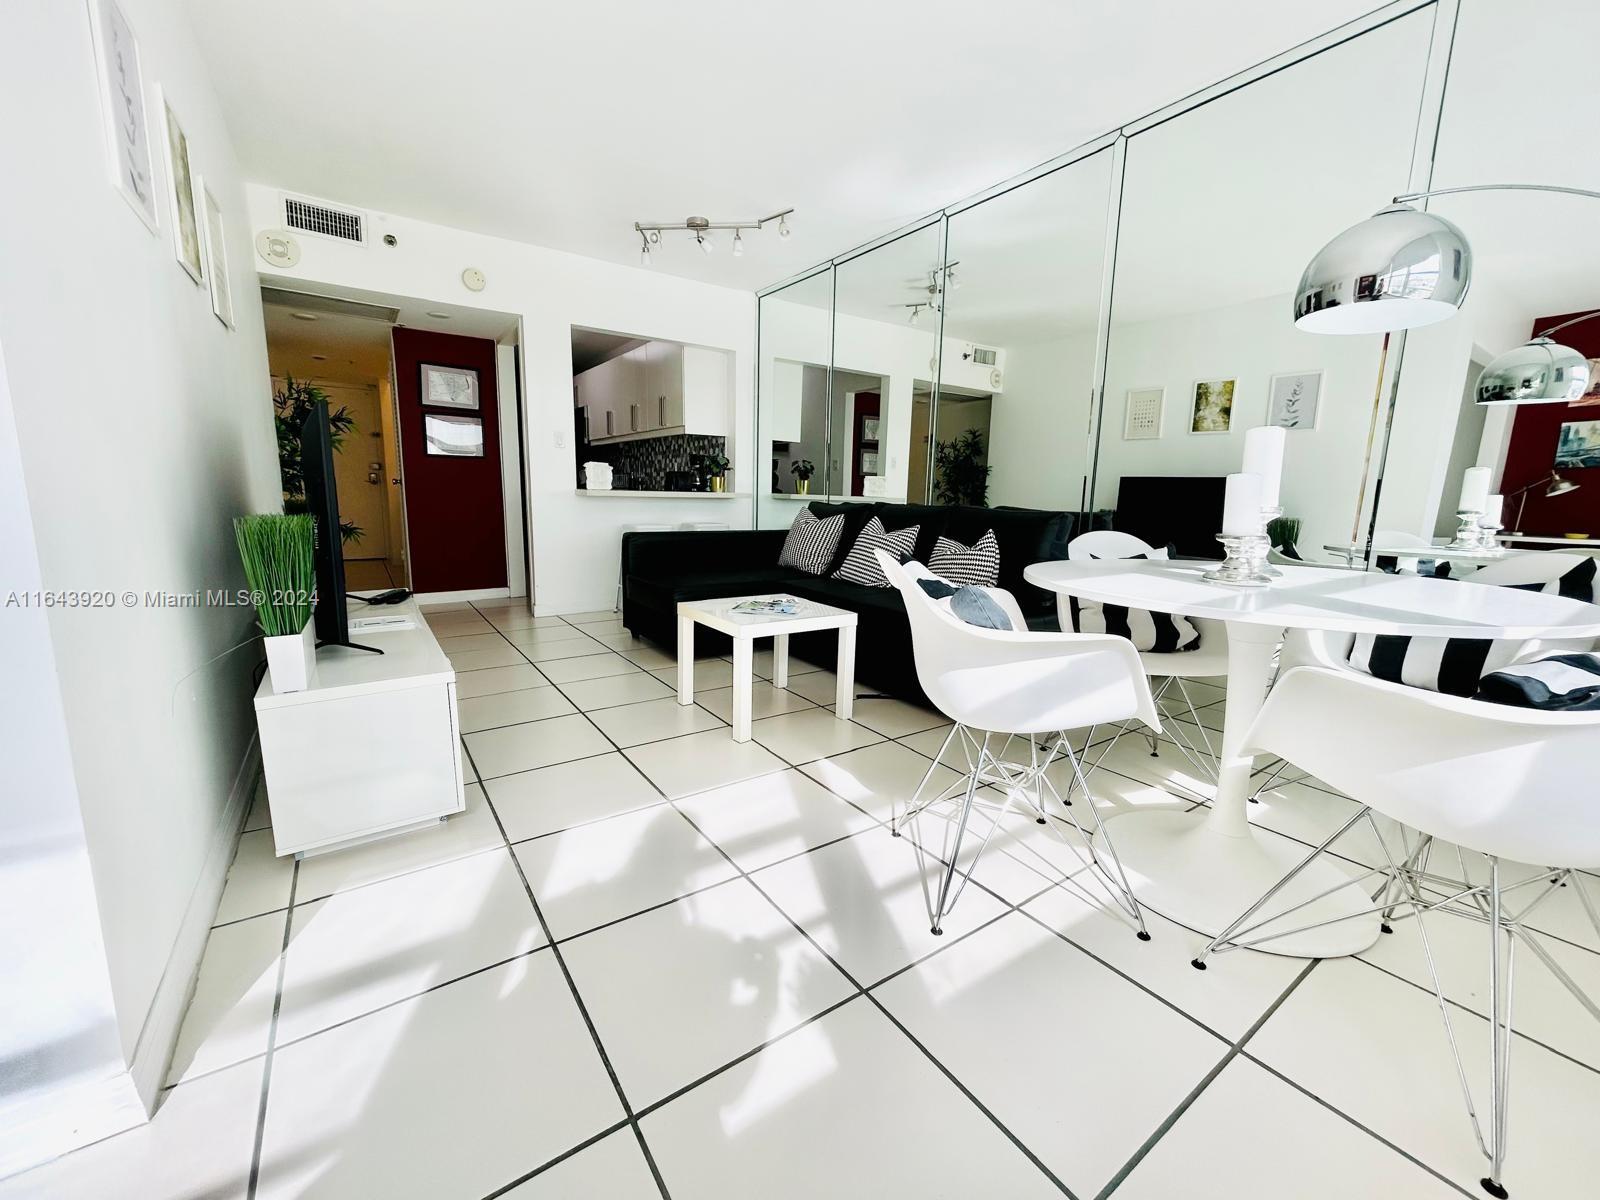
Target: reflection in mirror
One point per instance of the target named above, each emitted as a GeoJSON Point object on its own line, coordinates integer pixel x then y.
{"type": "Point", "coordinates": [886, 339]}
{"type": "Point", "coordinates": [1536, 264]}
{"type": "Point", "coordinates": [1021, 317]}
{"type": "Point", "coordinates": [1221, 209]}
{"type": "Point", "coordinates": [796, 336]}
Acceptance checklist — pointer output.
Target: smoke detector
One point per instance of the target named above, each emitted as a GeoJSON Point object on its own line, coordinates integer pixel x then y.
{"type": "Point", "coordinates": [277, 247]}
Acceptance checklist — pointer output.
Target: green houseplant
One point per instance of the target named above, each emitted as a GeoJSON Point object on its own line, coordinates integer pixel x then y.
{"type": "Point", "coordinates": [960, 474]}
{"type": "Point", "coordinates": [291, 404]}
{"type": "Point", "coordinates": [802, 470]}
{"type": "Point", "coordinates": [1283, 533]}
{"type": "Point", "coordinates": [717, 467]}
{"type": "Point", "coordinates": [276, 550]}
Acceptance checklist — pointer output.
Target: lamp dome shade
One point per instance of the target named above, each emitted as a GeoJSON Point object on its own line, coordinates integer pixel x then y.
{"type": "Point", "coordinates": [1536, 372]}
{"type": "Point", "coordinates": [1398, 269]}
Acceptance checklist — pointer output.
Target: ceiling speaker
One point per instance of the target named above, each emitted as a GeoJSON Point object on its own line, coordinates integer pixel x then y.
{"type": "Point", "coordinates": [277, 248]}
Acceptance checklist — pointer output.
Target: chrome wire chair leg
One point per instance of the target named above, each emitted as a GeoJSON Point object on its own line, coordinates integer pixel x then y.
{"type": "Point", "coordinates": [1500, 993]}
{"type": "Point", "coordinates": [940, 905]}
{"type": "Point", "coordinates": [911, 805]}
{"type": "Point", "coordinates": [1120, 882]}
{"type": "Point", "coordinates": [1238, 925]}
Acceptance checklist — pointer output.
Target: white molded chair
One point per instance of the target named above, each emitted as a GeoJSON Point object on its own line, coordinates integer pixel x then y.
{"type": "Point", "coordinates": [991, 681]}
{"type": "Point", "coordinates": [1506, 782]}
{"type": "Point", "coordinates": [1208, 660]}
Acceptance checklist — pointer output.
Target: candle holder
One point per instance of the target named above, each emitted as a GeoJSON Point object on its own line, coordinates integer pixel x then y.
{"type": "Point", "coordinates": [1488, 526]}
{"type": "Point", "coordinates": [1260, 563]}
{"type": "Point", "coordinates": [1469, 536]}
{"type": "Point", "coordinates": [1246, 554]}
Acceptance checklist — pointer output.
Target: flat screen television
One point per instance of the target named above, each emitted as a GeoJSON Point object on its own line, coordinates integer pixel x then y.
{"type": "Point", "coordinates": [322, 502]}
{"type": "Point", "coordinates": [1181, 511]}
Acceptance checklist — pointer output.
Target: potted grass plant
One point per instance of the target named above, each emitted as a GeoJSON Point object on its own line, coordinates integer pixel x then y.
{"type": "Point", "coordinates": [276, 550]}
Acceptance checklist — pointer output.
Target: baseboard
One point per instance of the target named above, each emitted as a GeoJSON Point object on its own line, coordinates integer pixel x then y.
{"type": "Point", "coordinates": [499, 593]}
{"type": "Point", "coordinates": [158, 1038]}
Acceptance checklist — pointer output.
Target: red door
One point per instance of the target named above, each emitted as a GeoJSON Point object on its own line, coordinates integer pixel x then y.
{"type": "Point", "coordinates": [455, 518]}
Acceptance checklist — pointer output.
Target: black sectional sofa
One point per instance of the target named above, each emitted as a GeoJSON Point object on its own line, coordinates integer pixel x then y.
{"type": "Point", "coordinates": [660, 569]}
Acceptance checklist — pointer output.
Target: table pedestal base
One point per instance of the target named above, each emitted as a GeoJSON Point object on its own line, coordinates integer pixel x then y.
{"type": "Point", "coordinates": [1181, 868]}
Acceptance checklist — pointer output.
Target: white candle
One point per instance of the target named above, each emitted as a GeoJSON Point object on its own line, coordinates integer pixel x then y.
{"type": "Point", "coordinates": [1263, 456]}
{"type": "Point", "coordinates": [1474, 489]}
{"type": "Point", "coordinates": [1492, 505]}
{"type": "Point", "coordinates": [1241, 505]}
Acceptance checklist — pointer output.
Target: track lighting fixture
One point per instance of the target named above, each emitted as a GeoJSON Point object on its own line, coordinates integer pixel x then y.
{"type": "Point", "coordinates": [701, 227]}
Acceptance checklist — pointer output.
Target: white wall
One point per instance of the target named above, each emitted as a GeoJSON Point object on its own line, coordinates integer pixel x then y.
{"type": "Point", "coordinates": [575, 538]}
{"type": "Point", "coordinates": [1039, 426]}
{"type": "Point", "coordinates": [143, 426]}
{"type": "Point", "coordinates": [1248, 343]}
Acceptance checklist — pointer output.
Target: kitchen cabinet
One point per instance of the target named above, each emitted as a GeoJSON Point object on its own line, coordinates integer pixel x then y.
{"type": "Point", "coordinates": [656, 389]}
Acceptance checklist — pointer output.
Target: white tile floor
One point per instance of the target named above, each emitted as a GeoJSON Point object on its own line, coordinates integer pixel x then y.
{"type": "Point", "coordinates": [647, 961]}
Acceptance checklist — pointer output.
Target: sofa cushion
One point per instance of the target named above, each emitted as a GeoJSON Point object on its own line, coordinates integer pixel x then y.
{"type": "Point", "coordinates": [977, 564]}
{"type": "Point", "coordinates": [813, 542]}
{"type": "Point", "coordinates": [1025, 535]}
{"type": "Point", "coordinates": [860, 566]}
{"type": "Point", "coordinates": [855, 516]}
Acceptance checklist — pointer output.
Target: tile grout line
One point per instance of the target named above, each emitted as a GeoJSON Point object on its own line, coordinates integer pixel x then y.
{"type": "Point", "coordinates": [632, 1119]}
{"type": "Point", "coordinates": [1372, 1133]}
{"type": "Point", "coordinates": [1233, 1052]}
{"type": "Point", "coordinates": [272, 1037]}
{"type": "Point", "coordinates": [742, 873]}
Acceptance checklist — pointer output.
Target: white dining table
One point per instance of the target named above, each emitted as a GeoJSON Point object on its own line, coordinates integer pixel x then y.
{"type": "Point", "coordinates": [1203, 868]}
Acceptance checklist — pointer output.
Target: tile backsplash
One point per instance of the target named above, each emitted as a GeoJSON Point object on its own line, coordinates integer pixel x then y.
{"type": "Point", "coordinates": [643, 465]}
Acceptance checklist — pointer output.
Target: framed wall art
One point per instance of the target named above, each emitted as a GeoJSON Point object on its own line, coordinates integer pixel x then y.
{"type": "Point", "coordinates": [1213, 406]}
{"type": "Point", "coordinates": [449, 387]}
{"type": "Point", "coordinates": [447, 436]}
{"type": "Point", "coordinates": [127, 123]}
{"type": "Point", "coordinates": [1294, 399]}
{"type": "Point", "coordinates": [1142, 417]}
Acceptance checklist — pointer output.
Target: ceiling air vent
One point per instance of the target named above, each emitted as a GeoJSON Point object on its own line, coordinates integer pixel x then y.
{"type": "Point", "coordinates": [309, 216]}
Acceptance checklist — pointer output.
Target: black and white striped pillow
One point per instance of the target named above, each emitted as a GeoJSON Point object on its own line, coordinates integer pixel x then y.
{"type": "Point", "coordinates": [1559, 683]}
{"type": "Point", "coordinates": [860, 566]}
{"type": "Point", "coordinates": [1454, 666]}
{"type": "Point", "coordinates": [1576, 584]}
{"type": "Point", "coordinates": [1158, 633]}
{"type": "Point", "coordinates": [977, 565]}
{"type": "Point", "coordinates": [811, 542]}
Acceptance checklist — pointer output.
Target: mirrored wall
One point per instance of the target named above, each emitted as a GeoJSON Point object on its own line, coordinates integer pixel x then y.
{"type": "Point", "coordinates": [1098, 335]}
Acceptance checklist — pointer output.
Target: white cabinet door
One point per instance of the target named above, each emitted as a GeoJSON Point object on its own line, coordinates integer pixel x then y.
{"type": "Point", "coordinates": [707, 396]}
{"type": "Point", "coordinates": [664, 393]}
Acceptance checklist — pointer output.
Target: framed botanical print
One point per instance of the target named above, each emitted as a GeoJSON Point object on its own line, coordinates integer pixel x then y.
{"type": "Point", "coordinates": [449, 387]}
{"type": "Point", "coordinates": [127, 121]}
{"type": "Point", "coordinates": [1293, 399]}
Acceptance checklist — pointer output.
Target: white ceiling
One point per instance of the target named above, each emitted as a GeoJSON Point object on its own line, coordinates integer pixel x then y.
{"type": "Point", "coordinates": [563, 124]}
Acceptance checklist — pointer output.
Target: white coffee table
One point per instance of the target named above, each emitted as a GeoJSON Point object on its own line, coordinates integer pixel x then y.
{"type": "Point", "coordinates": [744, 629]}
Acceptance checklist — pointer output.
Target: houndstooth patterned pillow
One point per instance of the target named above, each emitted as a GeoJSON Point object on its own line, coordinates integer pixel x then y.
{"type": "Point", "coordinates": [811, 542]}
{"type": "Point", "coordinates": [860, 566]}
{"type": "Point", "coordinates": [977, 564]}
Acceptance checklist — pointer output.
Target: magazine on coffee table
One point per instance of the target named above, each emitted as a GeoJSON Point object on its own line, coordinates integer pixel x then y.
{"type": "Point", "coordinates": [771, 606]}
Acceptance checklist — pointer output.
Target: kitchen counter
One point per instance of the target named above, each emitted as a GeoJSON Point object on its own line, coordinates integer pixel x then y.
{"type": "Point", "coordinates": [626, 494]}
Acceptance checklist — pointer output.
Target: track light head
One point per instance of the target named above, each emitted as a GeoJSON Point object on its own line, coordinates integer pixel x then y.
{"type": "Point", "coordinates": [738, 244]}
{"type": "Point", "coordinates": [644, 256]}
{"type": "Point", "coordinates": [783, 227]}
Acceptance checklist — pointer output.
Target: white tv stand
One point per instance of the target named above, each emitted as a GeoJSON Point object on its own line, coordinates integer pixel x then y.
{"type": "Point", "coordinates": [371, 748]}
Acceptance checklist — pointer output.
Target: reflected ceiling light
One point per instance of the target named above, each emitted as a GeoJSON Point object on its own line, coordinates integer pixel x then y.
{"type": "Point", "coordinates": [1399, 269]}
{"type": "Point", "coordinates": [442, 316]}
{"type": "Point", "coordinates": [303, 316]}
{"type": "Point", "coordinates": [1537, 372]}
{"type": "Point", "coordinates": [701, 227]}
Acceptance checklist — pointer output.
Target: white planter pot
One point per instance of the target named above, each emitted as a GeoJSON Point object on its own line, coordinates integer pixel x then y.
{"type": "Point", "coordinates": [292, 659]}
